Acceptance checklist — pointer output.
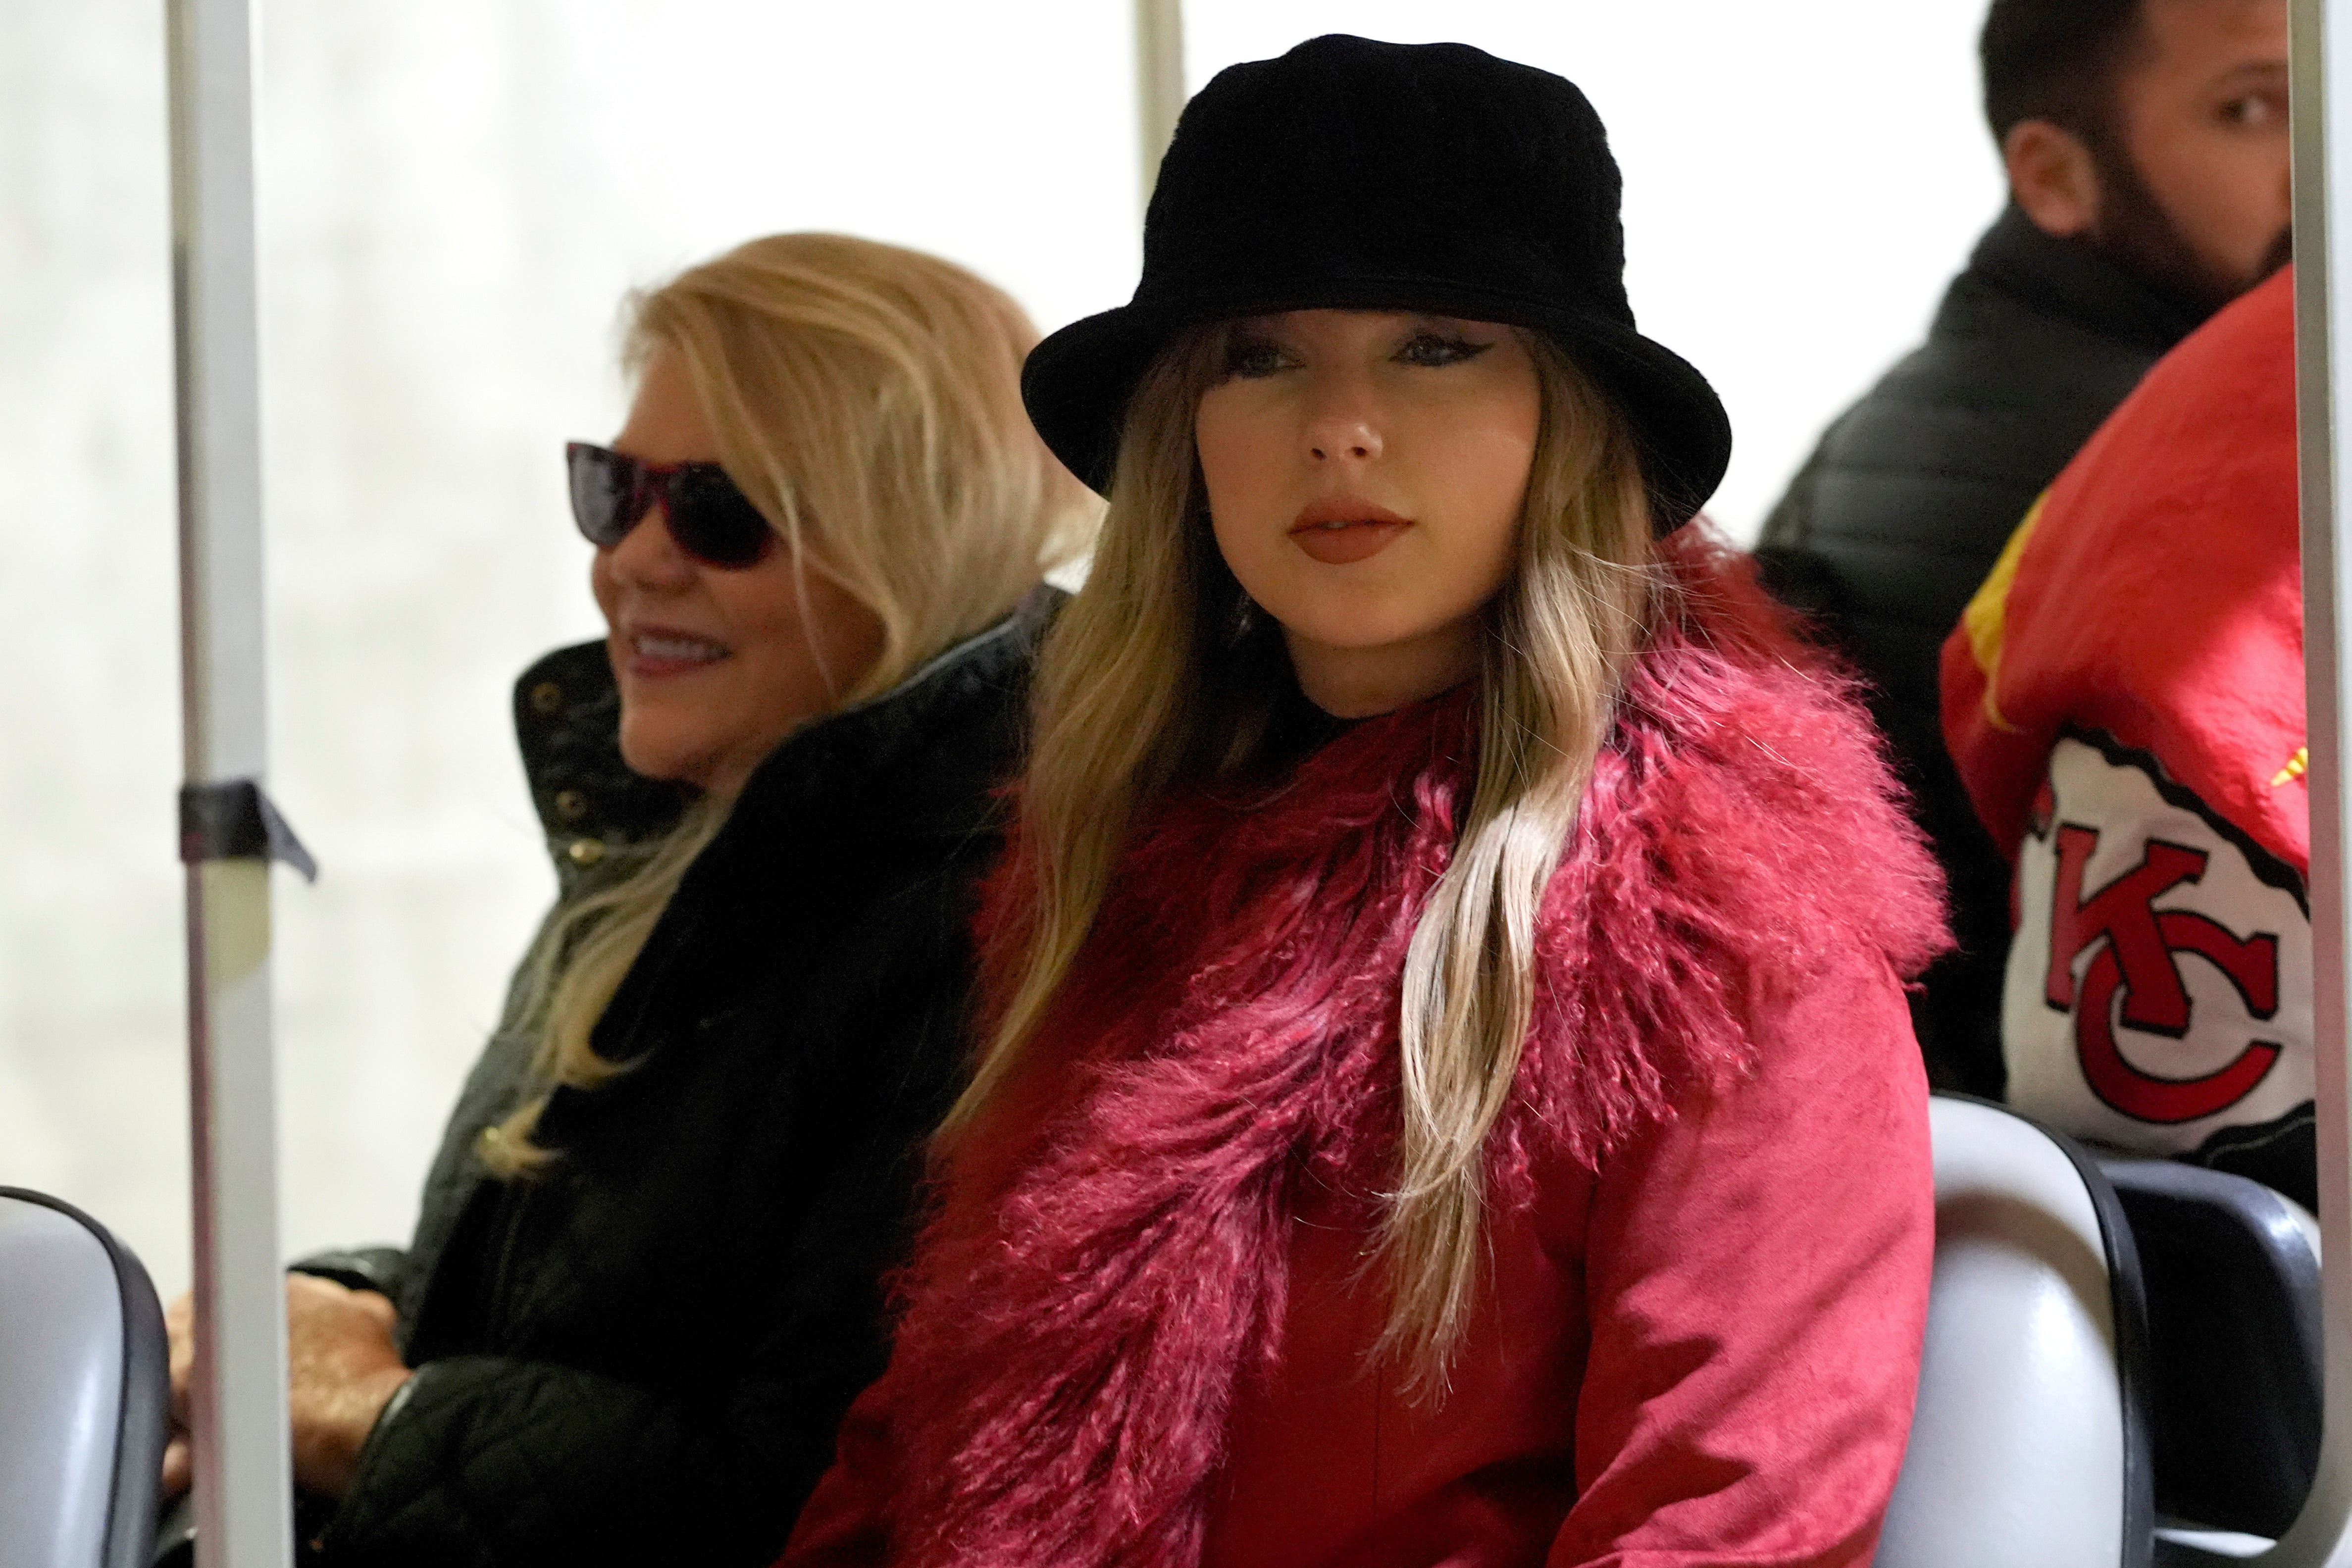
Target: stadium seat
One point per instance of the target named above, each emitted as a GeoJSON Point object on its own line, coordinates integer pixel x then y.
{"type": "Point", "coordinates": [2231, 1273]}
{"type": "Point", "coordinates": [2030, 1447]}
{"type": "Point", "coordinates": [85, 1391]}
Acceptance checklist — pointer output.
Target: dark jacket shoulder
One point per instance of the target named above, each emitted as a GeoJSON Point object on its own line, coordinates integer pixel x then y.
{"type": "Point", "coordinates": [2034, 346]}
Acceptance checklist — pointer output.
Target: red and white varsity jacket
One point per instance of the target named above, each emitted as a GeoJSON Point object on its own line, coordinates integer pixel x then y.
{"type": "Point", "coordinates": [2125, 702]}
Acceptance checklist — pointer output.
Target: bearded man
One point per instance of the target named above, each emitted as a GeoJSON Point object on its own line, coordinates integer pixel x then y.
{"type": "Point", "coordinates": [2146, 150]}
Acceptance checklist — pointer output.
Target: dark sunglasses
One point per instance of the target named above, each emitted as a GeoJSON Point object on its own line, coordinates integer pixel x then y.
{"type": "Point", "coordinates": [709, 518]}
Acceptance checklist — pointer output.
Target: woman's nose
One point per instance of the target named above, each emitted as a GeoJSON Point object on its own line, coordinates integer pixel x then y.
{"type": "Point", "coordinates": [1342, 424]}
{"type": "Point", "coordinates": [649, 558]}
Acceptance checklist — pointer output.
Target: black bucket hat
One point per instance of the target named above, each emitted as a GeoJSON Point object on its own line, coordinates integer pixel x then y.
{"type": "Point", "coordinates": [1352, 174]}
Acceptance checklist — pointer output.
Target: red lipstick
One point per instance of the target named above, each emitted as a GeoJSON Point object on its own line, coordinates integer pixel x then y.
{"type": "Point", "coordinates": [1341, 530]}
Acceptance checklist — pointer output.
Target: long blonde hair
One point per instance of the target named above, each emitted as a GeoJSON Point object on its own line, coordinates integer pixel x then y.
{"type": "Point", "coordinates": [1143, 683]}
{"type": "Point", "coordinates": [867, 399]}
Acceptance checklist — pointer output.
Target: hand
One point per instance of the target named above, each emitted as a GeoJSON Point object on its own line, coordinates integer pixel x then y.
{"type": "Point", "coordinates": [342, 1370]}
{"type": "Point", "coordinates": [180, 1328]}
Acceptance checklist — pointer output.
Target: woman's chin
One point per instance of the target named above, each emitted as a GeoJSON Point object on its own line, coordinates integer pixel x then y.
{"type": "Point", "coordinates": [665, 758]}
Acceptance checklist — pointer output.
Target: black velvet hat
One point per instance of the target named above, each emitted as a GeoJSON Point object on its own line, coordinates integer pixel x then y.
{"type": "Point", "coordinates": [1360, 175]}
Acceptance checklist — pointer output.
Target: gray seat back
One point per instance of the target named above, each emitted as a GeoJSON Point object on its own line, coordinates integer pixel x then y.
{"type": "Point", "coordinates": [2232, 1272]}
{"type": "Point", "coordinates": [2029, 1445]}
{"type": "Point", "coordinates": [85, 1391]}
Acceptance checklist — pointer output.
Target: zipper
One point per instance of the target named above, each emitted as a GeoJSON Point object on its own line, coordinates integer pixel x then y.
{"type": "Point", "coordinates": [518, 1194]}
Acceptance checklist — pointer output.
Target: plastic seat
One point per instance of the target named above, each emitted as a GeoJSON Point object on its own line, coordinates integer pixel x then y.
{"type": "Point", "coordinates": [2030, 1447]}
{"type": "Point", "coordinates": [85, 1391]}
{"type": "Point", "coordinates": [2231, 1272]}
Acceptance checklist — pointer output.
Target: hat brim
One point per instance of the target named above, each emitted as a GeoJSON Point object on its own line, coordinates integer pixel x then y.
{"type": "Point", "coordinates": [1078, 381]}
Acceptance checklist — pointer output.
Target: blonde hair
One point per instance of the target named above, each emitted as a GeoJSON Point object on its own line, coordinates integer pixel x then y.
{"type": "Point", "coordinates": [1142, 683]}
{"type": "Point", "coordinates": [867, 399]}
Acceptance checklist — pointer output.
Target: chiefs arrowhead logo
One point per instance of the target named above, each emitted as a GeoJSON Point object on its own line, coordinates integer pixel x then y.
{"type": "Point", "coordinates": [2159, 987]}
{"type": "Point", "coordinates": [2139, 951]}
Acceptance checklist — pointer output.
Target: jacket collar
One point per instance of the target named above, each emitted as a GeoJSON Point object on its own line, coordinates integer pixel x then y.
{"type": "Point", "coordinates": [567, 719]}
{"type": "Point", "coordinates": [919, 764]}
{"type": "Point", "coordinates": [567, 713]}
{"type": "Point", "coordinates": [2069, 279]}
{"type": "Point", "coordinates": [859, 745]}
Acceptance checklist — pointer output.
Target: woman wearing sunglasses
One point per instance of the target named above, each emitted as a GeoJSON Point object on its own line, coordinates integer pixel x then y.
{"type": "Point", "coordinates": [1450, 1098]}
{"type": "Point", "coordinates": [644, 1283]}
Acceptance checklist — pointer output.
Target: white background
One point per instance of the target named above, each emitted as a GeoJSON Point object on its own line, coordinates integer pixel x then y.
{"type": "Point", "coordinates": [457, 193]}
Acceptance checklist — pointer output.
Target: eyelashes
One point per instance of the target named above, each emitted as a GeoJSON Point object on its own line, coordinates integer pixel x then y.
{"type": "Point", "coordinates": [1253, 358]}
{"type": "Point", "coordinates": [1440, 349]}
{"type": "Point", "coordinates": [1250, 357]}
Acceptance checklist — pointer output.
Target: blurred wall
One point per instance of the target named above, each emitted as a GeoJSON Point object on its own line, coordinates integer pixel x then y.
{"type": "Point", "coordinates": [456, 193]}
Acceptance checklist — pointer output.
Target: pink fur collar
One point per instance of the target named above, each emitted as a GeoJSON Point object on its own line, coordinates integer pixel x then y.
{"type": "Point", "coordinates": [1072, 1343]}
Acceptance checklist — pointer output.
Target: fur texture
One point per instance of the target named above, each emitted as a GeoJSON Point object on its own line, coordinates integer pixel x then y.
{"type": "Point", "coordinates": [1083, 1311]}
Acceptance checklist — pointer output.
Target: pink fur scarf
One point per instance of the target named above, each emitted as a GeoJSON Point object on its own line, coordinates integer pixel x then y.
{"type": "Point", "coordinates": [1072, 1343]}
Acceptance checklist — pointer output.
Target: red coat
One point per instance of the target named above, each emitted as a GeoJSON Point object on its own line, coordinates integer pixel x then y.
{"type": "Point", "coordinates": [1141, 1331]}
{"type": "Point", "coordinates": [2124, 701]}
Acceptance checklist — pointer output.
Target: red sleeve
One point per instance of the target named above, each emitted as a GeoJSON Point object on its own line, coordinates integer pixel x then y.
{"type": "Point", "coordinates": [844, 1524]}
{"type": "Point", "coordinates": [1998, 733]}
{"type": "Point", "coordinates": [2000, 764]}
{"type": "Point", "coordinates": [1756, 1279]}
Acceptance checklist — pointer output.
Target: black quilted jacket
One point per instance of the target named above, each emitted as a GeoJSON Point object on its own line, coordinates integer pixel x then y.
{"type": "Point", "coordinates": [1900, 512]}
{"type": "Point", "coordinates": [641, 1353]}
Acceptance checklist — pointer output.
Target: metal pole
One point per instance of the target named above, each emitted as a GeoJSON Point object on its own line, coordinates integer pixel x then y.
{"type": "Point", "coordinates": [1159, 81]}
{"type": "Point", "coordinates": [2322, 31]}
{"type": "Point", "coordinates": [244, 1485]}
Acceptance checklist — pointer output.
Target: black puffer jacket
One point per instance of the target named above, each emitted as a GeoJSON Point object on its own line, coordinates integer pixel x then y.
{"type": "Point", "coordinates": [641, 1353]}
{"type": "Point", "coordinates": [1901, 511]}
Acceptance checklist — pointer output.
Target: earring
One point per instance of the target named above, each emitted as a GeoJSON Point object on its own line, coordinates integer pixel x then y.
{"type": "Point", "coordinates": [1243, 621]}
